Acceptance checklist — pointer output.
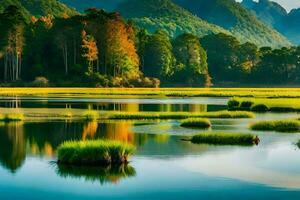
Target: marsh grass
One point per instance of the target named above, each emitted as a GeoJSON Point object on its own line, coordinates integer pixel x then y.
{"type": "Point", "coordinates": [264, 104]}
{"type": "Point", "coordinates": [196, 123]}
{"type": "Point", "coordinates": [277, 125]}
{"type": "Point", "coordinates": [178, 115]}
{"type": "Point", "coordinates": [102, 174]}
{"type": "Point", "coordinates": [225, 139]}
{"type": "Point", "coordinates": [12, 117]}
{"type": "Point", "coordinates": [97, 152]}
{"type": "Point", "coordinates": [155, 92]}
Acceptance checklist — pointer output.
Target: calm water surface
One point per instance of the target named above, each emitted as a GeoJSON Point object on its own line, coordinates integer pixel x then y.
{"type": "Point", "coordinates": [164, 167]}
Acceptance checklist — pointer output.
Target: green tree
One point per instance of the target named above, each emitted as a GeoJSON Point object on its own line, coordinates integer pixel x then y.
{"type": "Point", "coordinates": [191, 58]}
{"type": "Point", "coordinates": [158, 56]}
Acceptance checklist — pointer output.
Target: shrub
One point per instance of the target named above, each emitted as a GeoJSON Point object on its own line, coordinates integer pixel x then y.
{"type": "Point", "coordinates": [277, 125]}
{"type": "Point", "coordinates": [260, 108]}
{"type": "Point", "coordinates": [40, 82]}
{"type": "Point", "coordinates": [98, 152]}
{"type": "Point", "coordinates": [196, 123]}
{"type": "Point", "coordinates": [246, 104]}
{"type": "Point", "coordinates": [225, 139]}
{"type": "Point", "coordinates": [233, 104]}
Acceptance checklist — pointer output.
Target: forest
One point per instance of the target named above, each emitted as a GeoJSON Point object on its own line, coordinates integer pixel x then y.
{"type": "Point", "coordinates": [101, 49]}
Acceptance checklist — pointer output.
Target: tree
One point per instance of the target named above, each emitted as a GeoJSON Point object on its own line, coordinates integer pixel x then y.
{"type": "Point", "coordinates": [90, 52]}
{"type": "Point", "coordinates": [158, 57]}
{"type": "Point", "coordinates": [191, 57]}
{"type": "Point", "coordinates": [13, 25]}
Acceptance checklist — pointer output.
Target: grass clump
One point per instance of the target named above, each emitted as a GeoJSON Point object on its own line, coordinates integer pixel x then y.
{"type": "Point", "coordinates": [97, 152]}
{"type": "Point", "coordinates": [178, 115]}
{"type": "Point", "coordinates": [260, 108]}
{"type": "Point", "coordinates": [277, 125]}
{"type": "Point", "coordinates": [196, 123]}
{"type": "Point", "coordinates": [225, 139]}
{"type": "Point", "coordinates": [232, 104]}
{"type": "Point", "coordinates": [12, 117]}
{"type": "Point", "coordinates": [265, 104]}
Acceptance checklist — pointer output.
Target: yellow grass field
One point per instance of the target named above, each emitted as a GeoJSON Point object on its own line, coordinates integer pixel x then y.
{"type": "Point", "coordinates": [154, 92]}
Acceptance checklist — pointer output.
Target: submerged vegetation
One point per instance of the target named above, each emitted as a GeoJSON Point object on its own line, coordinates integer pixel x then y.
{"type": "Point", "coordinates": [98, 152]}
{"type": "Point", "coordinates": [277, 125]}
{"type": "Point", "coordinates": [102, 174]}
{"type": "Point", "coordinates": [225, 139]}
{"type": "Point", "coordinates": [196, 123]}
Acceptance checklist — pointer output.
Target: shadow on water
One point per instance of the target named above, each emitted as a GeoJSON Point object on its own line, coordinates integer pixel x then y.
{"type": "Point", "coordinates": [103, 175]}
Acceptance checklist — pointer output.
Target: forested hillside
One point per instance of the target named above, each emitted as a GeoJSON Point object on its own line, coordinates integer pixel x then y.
{"type": "Point", "coordinates": [233, 17]}
{"type": "Point", "coordinates": [82, 5]}
{"type": "Point", "coordinates": [39, 7]}
{"type": "Point", "coordinates": [277, 17]}
{"type": "Point", "coordinates": [102, 49]}
{"type": "Point", "coordinates": [165, 15]}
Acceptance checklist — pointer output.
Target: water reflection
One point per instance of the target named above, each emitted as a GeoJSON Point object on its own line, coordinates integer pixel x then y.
{"type": "Point", "coordinates": [18, 140]}
{"type": "Point", "coordinates": [108, 174]}
{"type": "Point", "coordinates": [13, 146]}
{"type": "Point", "coordinates": [131, 105]}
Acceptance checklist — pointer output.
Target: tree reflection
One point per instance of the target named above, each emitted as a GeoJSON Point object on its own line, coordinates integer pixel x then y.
{"type": "Point", "coordinates": [13, 146]}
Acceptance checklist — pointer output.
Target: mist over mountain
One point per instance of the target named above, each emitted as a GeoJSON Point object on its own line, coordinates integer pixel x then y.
{"type": "Point", "coordinates": [277, 17]}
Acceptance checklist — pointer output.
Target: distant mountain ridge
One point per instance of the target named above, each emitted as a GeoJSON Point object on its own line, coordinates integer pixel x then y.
{"type": "Point", "coordinates": [239, 21]}
{"type": "Point", "coordinates": [165, 15]}
{"type": "Point", "coordinates": [277, 17]}
{"type": "Point", "coordinates": [194, 16]}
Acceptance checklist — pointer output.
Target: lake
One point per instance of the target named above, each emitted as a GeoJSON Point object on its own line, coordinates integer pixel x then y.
{"type": "Point", "coordinates": [164, 166]}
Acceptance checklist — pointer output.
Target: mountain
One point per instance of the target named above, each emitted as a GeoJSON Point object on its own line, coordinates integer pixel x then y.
{"type": "Point", "coordinates": [200, 17]}
{"type": "Point", "coordinates": [39, 7]}
{"type": "Point", "coordinates": [81, 5]}
{"type": "Point", "coordinates": [165, 15]}
{"type": "Point", "coordinates": [234, 17]}
{"type": "Point", "coordinates": [291, 26]}
{"type": "Point", "coordinates": [277, 17]}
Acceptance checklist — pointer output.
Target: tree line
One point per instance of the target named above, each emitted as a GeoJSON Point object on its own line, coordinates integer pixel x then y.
{"type": "Point", "coordinates": [102, 49]}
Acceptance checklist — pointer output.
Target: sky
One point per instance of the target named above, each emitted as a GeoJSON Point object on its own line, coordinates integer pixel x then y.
{"type": "Point", "coordinates": [288, 4]}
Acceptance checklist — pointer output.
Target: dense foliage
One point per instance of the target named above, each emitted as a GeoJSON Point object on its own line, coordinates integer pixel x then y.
{"type": "Point", "coordinates": [102, 49]}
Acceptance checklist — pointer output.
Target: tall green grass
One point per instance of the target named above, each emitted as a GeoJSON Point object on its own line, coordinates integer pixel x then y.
{"type": "Point", "coordinates": [98, 152]}
{"type": "Point", "coordinates": [277, 125]}
{"type": "Point", "coordinates": [178, 115]}
{"type": "Point", "coordinates": [196, 123]}
{"type": "Point", "coordinates": [225, 139]}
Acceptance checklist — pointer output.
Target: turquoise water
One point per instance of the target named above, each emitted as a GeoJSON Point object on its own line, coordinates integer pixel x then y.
{"type": "Point", "coordinates": [164, 167]}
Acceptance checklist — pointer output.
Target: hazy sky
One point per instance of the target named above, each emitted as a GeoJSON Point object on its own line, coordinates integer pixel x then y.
{"type": "Point", "coordinates": [288, 4]}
